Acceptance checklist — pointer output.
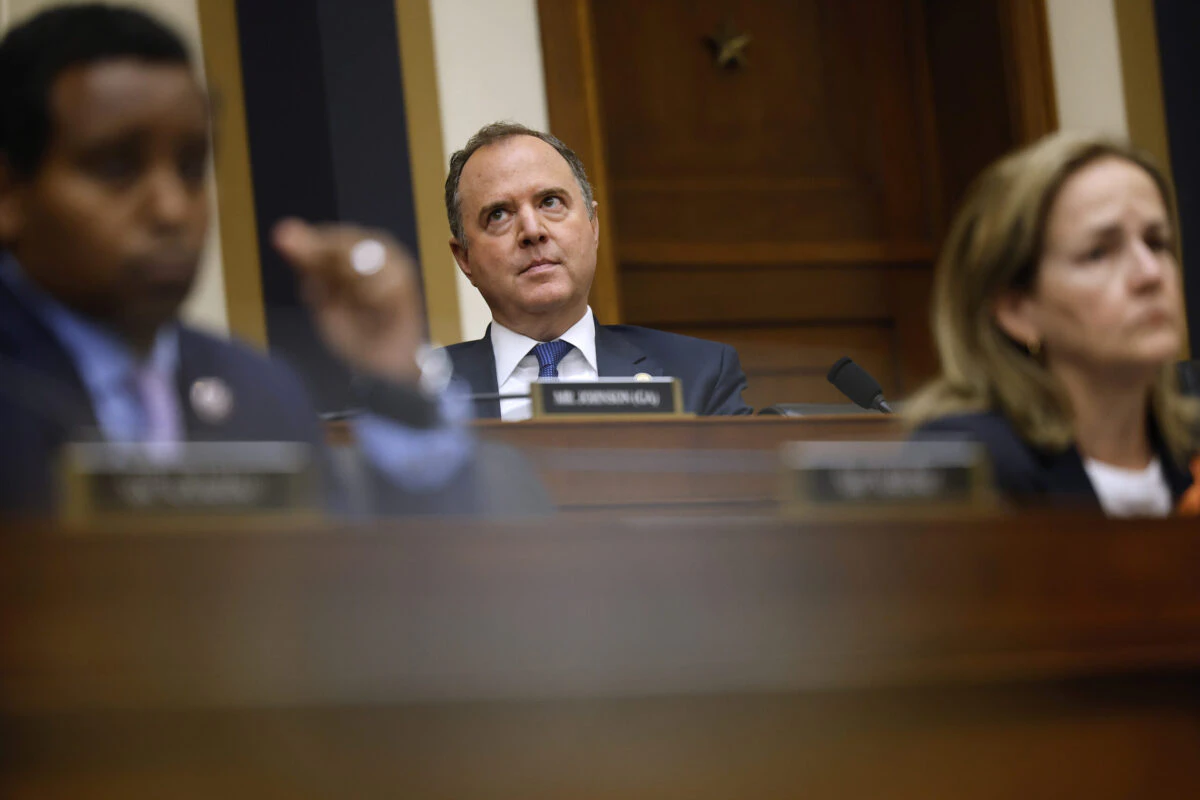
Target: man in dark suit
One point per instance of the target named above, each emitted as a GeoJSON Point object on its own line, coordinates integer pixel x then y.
{"type": "Point", "coordinates": [104, 149]}
{"type": "Point", "coordinates": [524, 232]}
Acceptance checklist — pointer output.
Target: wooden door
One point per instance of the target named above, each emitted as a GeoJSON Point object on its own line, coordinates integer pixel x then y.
{"type": "Point", "coordinates": [790, 203]}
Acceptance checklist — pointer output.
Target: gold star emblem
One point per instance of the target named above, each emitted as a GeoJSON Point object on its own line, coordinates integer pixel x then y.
{"type": "Point", "coordinates": [728, 46]}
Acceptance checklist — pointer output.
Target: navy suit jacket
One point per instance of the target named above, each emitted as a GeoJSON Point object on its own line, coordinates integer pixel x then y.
{"type": "Point", "coordinates": [44, 404]}
{"type": "Point", "coordinates": [1033, 477]}
{"type": "Point", "coordinates": [710, 372]}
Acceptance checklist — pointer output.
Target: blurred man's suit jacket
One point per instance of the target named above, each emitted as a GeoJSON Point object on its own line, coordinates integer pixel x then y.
{"type": "Point", "coordinates": [44, 404]}
{"type": "Point", "coordinates": [710, 372]}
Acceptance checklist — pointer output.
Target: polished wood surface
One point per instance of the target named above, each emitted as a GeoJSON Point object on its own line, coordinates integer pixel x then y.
{"type": "Point", "coordinates": [694, 464]}
{"type": "Point", "coordinates": [700, 464]}
{"type": "Point", "coordinates": [575, 117]}
{"type": "Point", "coordinates": [768, 204]}
{"type": "Point", "coordinates": [1030, 73]}
{"type": "Point", "coordinates": [992, 84]}
{"type": "Point", "coordinates": [1041, 656]}
{"type": "Point", "coordinates": [807, 143]}
{"type": "Point", "coordinates": [804, 195]}
{"type": "Point", "coordinates": [241, 270]}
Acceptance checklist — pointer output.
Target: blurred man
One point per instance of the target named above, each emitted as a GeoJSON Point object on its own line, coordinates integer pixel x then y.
{"type": "Point", "coordinates": [104, 151]}
{"type": "Point", "coordinates": [524, 232]}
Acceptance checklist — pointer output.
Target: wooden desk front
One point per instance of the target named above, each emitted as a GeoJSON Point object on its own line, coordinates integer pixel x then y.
{"type": "Point", "coordinates": [1052, 656]}
{"type": "Point", "coordinates": [727, 464]}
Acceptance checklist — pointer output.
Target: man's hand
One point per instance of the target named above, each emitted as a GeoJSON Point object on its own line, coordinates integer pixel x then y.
{"type": "Point", "coordinates": [370, 315]}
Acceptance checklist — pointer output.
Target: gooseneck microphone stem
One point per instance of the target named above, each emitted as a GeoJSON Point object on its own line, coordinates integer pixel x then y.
{"type": "Point", "coordinates": [856, 383]}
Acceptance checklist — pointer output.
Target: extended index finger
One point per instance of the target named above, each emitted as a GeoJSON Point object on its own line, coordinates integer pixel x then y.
{"type": "Point", "coordinates": [306, 246]}
{"type": "Point", "coordinates": [332, 251]}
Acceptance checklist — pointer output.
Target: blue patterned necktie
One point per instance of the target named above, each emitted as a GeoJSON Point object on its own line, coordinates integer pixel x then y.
{"type": "Point", "coordinates": [548, 355]}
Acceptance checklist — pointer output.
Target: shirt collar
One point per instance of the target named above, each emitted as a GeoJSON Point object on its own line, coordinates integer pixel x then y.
{"type": "Point", "coordinates": [104, 361]}
{"type": "Point", "coordinates": [509, 347]}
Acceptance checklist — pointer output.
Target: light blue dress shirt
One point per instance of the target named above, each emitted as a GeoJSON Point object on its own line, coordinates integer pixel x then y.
{"type": "Point", "coordinates": [417, 460]}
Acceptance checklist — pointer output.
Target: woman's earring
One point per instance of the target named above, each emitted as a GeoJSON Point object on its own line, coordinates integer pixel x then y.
{"type": "Point", "coordinates": [1034, 347]}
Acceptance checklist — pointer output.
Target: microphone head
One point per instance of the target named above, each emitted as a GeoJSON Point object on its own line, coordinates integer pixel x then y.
{"type": "Point", "coordinates": [856, 383]}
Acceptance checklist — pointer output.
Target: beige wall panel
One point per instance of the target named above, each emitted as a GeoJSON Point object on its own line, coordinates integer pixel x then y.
{"type": "Point", "coordinates": [489, 67]}
{"type": "Point", "coordinates": [1086, 57]}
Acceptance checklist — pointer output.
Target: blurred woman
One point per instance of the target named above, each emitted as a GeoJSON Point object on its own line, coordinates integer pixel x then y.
{"type": "Point", "coordinates": [1058, 318]}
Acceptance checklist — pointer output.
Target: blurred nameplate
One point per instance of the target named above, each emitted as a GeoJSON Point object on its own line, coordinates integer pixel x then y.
{"type": "Point", "coordinates": [105, 481]}
{"type": "Point", "coordinates": [610, 397]}
{"type": "Point", "coordinates": [886, 474]}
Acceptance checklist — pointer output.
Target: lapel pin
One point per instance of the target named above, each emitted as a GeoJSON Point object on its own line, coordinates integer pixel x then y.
{"type": "Point", "coordinates": [212, 400]}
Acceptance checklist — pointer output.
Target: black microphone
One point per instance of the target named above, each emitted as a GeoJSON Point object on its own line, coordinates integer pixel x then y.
{"type": "Point", "coordinates": [857, 384]}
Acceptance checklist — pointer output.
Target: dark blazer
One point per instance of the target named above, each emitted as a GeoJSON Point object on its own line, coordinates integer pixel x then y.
{"type": "Point", "coordinates": [44, 404]}
{"type": "Point", "coordinates": [1030, 476]}
{"type": "Point", "coordinates": [710, 372]}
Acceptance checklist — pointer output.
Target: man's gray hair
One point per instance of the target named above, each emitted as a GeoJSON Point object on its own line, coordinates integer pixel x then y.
{"type": "Point", "coordinates": [491, 134]}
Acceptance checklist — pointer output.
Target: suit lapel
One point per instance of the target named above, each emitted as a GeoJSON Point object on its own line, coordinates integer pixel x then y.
{"type": "Point", "coordinates": [617, 357]}
{"type": "Point", "coordinates": [1066, 474]}
{"type": "Point", "coordinates": [40, 372]}
{"type": "Point", "coordinates": [198, 362]}
{"type": "Point", "coordinates": [475, 362]}
{"type": "Point", "coordinates": [1179, 476]}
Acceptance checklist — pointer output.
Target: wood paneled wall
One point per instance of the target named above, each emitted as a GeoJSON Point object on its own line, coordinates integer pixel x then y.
{"type": "Point", "coordinates": [793, 206]}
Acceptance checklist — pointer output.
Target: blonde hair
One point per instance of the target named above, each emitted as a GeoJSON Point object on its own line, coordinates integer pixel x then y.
{"type": "Point", "coordinates": [994, 246]}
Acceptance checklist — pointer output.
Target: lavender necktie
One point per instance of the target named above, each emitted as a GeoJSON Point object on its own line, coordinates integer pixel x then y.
{"type": "Point", "coordinates": [161, 406]}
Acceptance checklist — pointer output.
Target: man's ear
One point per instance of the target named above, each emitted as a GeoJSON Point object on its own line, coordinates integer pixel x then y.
{"type": "Point", "coordinates": [12, 204]}
{"type": "Point", "coordinates": [462, 258]}
{"type": "Point", "coordinates": [1014, 313]}
{"type": "Point", "coordinates": [596, 222]}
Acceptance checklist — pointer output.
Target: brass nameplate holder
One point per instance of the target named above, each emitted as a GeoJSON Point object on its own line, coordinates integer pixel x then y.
{"type": "Point", "coordinates": [890, 476]}
{"type": "Point", "coordinates": [607, 397]}
{"type": "Point", "coordinates": [104, 482]}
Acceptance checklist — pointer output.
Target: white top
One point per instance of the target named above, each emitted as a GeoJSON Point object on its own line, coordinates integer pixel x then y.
{"type": "Point", "coordinates": [1130, 492]}
{"type": "Point", "coordinates": [516, 367]}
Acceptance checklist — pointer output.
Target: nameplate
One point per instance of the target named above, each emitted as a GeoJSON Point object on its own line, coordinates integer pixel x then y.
{"type": "Point", "coordinates": [885, 474]}
{"type": "Point", "coordinates": [128, 482]}
{"type": "Point", "coordinates": [610, 397]}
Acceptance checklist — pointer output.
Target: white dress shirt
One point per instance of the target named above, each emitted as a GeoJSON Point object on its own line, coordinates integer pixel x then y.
{"type": "Point", "coordinates": [1130, 492]}
{"type": "Point", "coordinates": [517, 367]}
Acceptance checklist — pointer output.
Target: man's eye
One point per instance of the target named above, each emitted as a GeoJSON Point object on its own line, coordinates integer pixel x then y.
{"type": "Point", "coordinates": [553, 201]}
{"type": "Point", "coordinates": [1097, 253]}
{"type": "Point", "coordinates": [116, 167]}
{"type": "Point", "coordinates": [496, 215]}
{"type": "Point", "coordinates": [193, 165]}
